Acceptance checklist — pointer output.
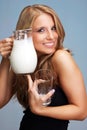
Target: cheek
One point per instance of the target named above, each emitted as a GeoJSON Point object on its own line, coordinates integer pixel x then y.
{"type": "Point", "coordinates": [36, 40]}
{"type": "Point", "coordinates": [36, 43]}
{"type": "Point", "coordinates": [56, 36]}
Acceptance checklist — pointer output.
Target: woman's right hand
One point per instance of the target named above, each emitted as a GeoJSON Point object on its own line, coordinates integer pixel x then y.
{"type": "Point", "coordinates": [6, 47]}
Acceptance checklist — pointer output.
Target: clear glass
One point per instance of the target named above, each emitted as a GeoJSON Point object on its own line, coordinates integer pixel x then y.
{"type": "Point", "coordinates": [45, 78]}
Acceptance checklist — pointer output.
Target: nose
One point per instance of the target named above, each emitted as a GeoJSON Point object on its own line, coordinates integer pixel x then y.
{"type": "Point", "coordinates": [50, 34]}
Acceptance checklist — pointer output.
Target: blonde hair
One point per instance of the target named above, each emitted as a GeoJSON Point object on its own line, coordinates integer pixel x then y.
{"type": "Point", "coordinates": [30, 13]}
{"type": "Point", "coordinates": [26, 20]}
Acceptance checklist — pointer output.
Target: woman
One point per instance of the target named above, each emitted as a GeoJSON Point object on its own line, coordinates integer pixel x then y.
{"type": "Point", "coordinates": [69, 98]}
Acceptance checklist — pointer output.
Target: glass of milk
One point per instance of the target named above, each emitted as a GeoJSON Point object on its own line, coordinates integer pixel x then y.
{"type": "Point", "coordinates": [44, 79]}
{"type": "Point", "coordinates": [23, 58]}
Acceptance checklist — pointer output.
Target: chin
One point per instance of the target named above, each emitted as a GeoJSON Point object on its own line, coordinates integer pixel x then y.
{"type": "Point", "coordinates": [50, 52]}
{"type": "Point", "coordinates": [46, 52]}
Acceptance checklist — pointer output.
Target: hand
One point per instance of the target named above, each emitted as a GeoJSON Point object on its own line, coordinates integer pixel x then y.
{"type": "Point", "coordinates": [35, 100]}
{"type": "Point", "coordinates": [6, 47]}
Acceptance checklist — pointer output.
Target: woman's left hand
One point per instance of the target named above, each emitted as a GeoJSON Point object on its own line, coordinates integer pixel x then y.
{"type": "Point", "coordinates": [35, 100]}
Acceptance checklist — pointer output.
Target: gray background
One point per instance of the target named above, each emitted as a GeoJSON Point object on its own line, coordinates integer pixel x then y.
{"type": "Point", "coordinates": [73, 14]}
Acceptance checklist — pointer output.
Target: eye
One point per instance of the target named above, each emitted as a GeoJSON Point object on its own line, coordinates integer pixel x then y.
{"type": "Point", "coordinates": [54, 28]}
{"type": "Point", "coordinates": [41, 30]}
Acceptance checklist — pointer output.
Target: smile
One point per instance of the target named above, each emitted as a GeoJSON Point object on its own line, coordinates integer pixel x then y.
{"type": "Point", "coordinates": [50, 44]}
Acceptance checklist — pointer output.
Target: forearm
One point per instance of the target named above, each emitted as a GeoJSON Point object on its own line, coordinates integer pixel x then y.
{"type": "Point", "coordinates": [4, 87]}
{"type": "Point", "coordinates": [4, 66]}
{"type": "Point", "coordinates": [66, 112]}
{"type": "Point", "coordinates": [75, 110]}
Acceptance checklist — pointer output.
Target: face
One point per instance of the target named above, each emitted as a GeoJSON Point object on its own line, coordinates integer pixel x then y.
{"type": "Point", "coordinates": [44, 34]}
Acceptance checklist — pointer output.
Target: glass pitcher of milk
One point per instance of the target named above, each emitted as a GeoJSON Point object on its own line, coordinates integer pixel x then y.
{"type": "Point", "coordinates": [23, 58]}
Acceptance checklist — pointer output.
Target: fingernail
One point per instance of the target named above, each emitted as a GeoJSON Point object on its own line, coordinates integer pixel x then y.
{"type": "Point", "coordinates": [53, 90]}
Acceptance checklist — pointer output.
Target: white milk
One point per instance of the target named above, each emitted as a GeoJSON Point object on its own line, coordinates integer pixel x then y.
{"type": "Point", "coordinates": [23, 57]}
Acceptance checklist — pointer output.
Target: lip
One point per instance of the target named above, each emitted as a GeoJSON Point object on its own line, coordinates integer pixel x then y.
{"type": "Point", "coordinates": [49, 44]}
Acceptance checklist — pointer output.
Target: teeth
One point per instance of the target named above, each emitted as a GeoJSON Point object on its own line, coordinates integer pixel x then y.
{"type": "Point", "coordinates": [49, 44]}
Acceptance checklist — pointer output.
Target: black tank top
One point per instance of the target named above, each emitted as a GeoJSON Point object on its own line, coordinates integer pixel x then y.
{"type": "Point", "coordinates": [31, 121]}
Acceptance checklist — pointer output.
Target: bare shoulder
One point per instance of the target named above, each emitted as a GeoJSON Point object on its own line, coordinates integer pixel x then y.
{"type": "Point", "coordinates": [61, 54]}
{"type": "Point", "coordinates": [70, 77]}
{"type": "Point", "coordinates": [65, 66]}
{"type": "Point", "coordinates": [63, 58]}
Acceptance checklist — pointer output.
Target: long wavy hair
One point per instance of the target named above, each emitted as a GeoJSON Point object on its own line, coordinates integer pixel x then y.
{"type": "Point", "coordinates": [26, 20]}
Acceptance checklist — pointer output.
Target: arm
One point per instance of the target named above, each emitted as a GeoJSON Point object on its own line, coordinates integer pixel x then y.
{"type": "Point", "coordinates": [73, 85]}
{"type": "Point", "coordinates": [5, 74]}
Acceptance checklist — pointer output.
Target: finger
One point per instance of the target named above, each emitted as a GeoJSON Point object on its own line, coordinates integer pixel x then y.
{"type": "Point", "coordinates": [5, 51]}
{"type": "Point", "coordinates": [32, 86]}
{"type": "Point", "coordinates": [35, 85]}
{"type": "Point", "coordinates": [38, 81]}
{"type": "Point", "coordinates": [48, 95]}
{"type": "Point", "coordinates": [6, 40]}
{"type": "Point", "coordinates": [30, 82]}
{"type": "Point", "coordinates": [5, 54]}
{"type": "Point", "coordinates": [6, 48]}
{"type": "Point", "coordinates": [6, 43]}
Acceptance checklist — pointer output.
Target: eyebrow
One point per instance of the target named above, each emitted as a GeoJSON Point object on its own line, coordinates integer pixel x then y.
{"type": "Point", "coordinates": [37, 28]}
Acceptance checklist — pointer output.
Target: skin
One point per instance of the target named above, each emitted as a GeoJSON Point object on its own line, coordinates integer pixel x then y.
{"type": "Point", "coordinates": [45, 41]}
{"type": "Point", "coordinates": [44, 34]}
